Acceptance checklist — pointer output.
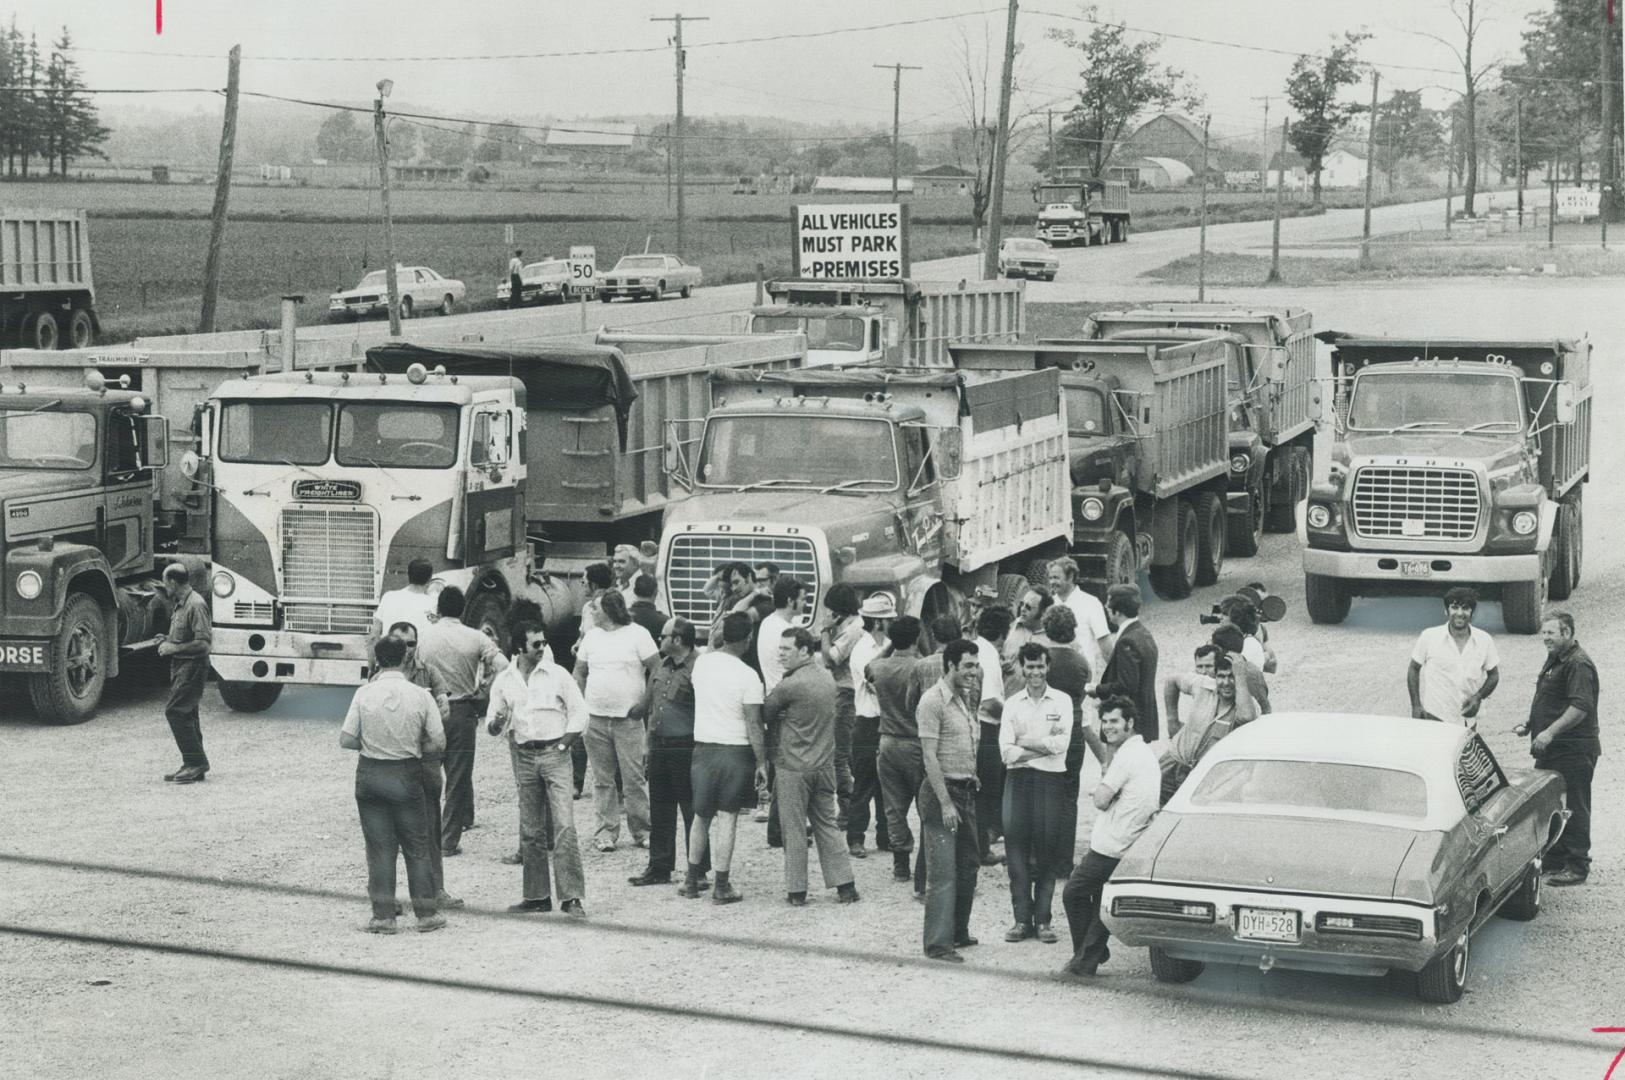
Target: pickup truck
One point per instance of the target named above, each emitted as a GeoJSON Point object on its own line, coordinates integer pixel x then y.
{"type": "Point", "coordinates": [650, 275]}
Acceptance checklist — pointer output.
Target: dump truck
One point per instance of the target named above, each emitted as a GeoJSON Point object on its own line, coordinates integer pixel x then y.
{"type": "Point", "coordinates": [1273, 384]}
{"type": "Point", "coordinates": [508, 469]}
{"type": "Point", "coordinates": [1459, 462]}
{"type": "Point", "coordinates": [94, 478]}
{"type": "Point", "coordinates": [1148, 454]}
{"type": "Point", "coordinates": [922, 485]}
{"type": "Point", "coordinates": [47, 297]}
{"type": "Point", "coordinates": [890, 322]}
{"type": "Point", "coordinates": [1082, 211]}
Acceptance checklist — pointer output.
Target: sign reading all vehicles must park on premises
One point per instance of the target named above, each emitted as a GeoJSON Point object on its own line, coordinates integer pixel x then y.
{"type": "Point", "coordinates": [861, 240]}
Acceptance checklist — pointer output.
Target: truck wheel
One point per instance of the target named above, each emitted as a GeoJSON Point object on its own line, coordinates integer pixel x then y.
{"type": "Point", "coordinates": [1011, 587]}
{"type": "Point", "coordinates": [1168, 969]}
{"type": "Point", "coordinates": [1521, 602]}
{"type": "Point", "coordinates": [249, 697]}
{"type": "Point", "coordinates": [489, 615]}
{"type": "Point", "coordinates": [1175, 580]}
{"type": "Point", "coordinates": [1445, 977]}
{"type": "Point", "coordinates": [40, 331]}
{"type": "Point", "coordinates": [71, 690]}
{"type": "Point", "coordinates": [1577, 535]}
{"type": "Point", "coordinates": [1291, 489]}
{"type": "Point", "coordinates": [1561, 582]}
{"type": "Point", "coordinates": [1122, 561]}
{"type": "Point", "coordinates": [1210, 534]}
{"type": "Point", "coordinates": [1327, 598]}
{"type": "Point", "coordinates": [81, 330]}
{"type": "Point", "coordinates": [1245, 534]}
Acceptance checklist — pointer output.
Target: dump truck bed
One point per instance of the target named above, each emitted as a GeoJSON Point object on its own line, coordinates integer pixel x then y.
{"type": "Point", "coordinates": [43, 250]}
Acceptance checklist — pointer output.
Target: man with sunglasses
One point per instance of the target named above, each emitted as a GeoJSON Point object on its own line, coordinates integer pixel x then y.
{"type": "Point", "coordinates": [668, 710]}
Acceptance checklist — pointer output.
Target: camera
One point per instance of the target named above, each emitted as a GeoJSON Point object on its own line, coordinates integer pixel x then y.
{"type": "Point", "coordinates": [1255, 598]}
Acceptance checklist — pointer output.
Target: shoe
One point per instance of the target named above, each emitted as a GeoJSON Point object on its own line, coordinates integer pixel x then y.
{"type": "Point", "coordinates": [192, 774]}
{"type": "Point", "coordinates": [965, 942]}
{"type": "Point", "coordinates": [1047, 934]}
{"type": "Point", "coordinates": [1018, 932]}
{"type": "Point", "coordinates": [444, 900]}
{"type": "Point", "coordinates": [649, 877]}
{"type": "Point", "coordinates": [168, 777]}
{"type": "Point", "coordinates": [515, 859]}
{"type": "Point", "coordinates": [1567, 877]}
{"type": "Point", "coordinates": [882, 844]}
{"type": "Point", "coordinates": [604, 845]}
{"type": "Point", "coordinates": [847, 894]}
{"type": "Point", "coordinates": [991, 859]}
{"type": "Point", "coordinates": [448, 852]}
{"type": "Point", "coordinates": [726, 894]}
{"type": "Point", "coordinates": [856, 850]}
{"type": "Point", "coordinates": [470, 827]}
{"type": "Point", "coordinates": [640, 841]}
{"type": "Point", "coordinates": [947, 955]}
{"type": "Point", "coordinates": [689, 892]}
{"type": "Point", "coordinates": [574, 909]}
{"type": "Point", "coordinates": [761, 814]}
{"type": "Point", "coordinates": [1074, 969]}
{"type": "Point", "coordinates": [796, 899]}
{"type": "Point", "coordinates": [580, 794]}
{"type": "Point", "coordinates": [544, 904]}
{"type": "Point", "coordinates": [431, 924]}
{"type": "Point", "coordinates": [919, 898]}
{"type": "Point", "coordinates": [381, 926]}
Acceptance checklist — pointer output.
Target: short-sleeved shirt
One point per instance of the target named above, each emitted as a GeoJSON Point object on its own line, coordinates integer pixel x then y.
{"type": "Point", "coordinates": [897, 688]}
{"type": "Point", "coordinates": [801, 713]}
{"type": "Point", "coordinates": [846, 637]}
{"type": "Point", "coordinates": [1209, 720]}
{"type": "Point", "coordinates": [724, 686]}
{"type": "Point", "coordinates": [1048, 717]}
{"type": "Point", "coordinates": [864, 700]}
{"type": "Point", "coordinates": [542, 706]}
{"type": "Point", "coordinates": [615, 661]}
{"type": "Point", "coordinates": [943, 715]}
{"type": "Point", "coordinates": [190, 623]}
{"type": "Point", "coordinates": [1567, 678]}
{"type": "Point", "coordinates": [394, 719]}
{"type": "Point", "coordinates": [1136, 777]}
{"type": "Point", "coordinates": [515, 266]}
{"type": "Point", "coordinates": [671, 704]}
{"type": "Point", "coordinates": [1253, 651]}
{"type": "Point", "coordinates": [768, 636]}
{"type": "Point", "coordinates": [460, 655]}
{"type": "Point", "coordinates": [421, 675]}
{"type": "Point", "coordinates": [406, 605]}
{"type": "Point", "coordinates": [1451, 675]}
{"type": "Point", "coordinates": [1092, 625]}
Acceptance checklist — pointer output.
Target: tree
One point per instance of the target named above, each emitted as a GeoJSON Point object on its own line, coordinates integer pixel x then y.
{"type": "Point", "coordinates": [975, 87]}
{"type": "Point", "coordinates": [1468, 15]}
{"type": "Point", "coordinates": [1121, 80]}
{"type": "Point", "coordinates": [342, 138]}
{"type": "Point", "coordinates": [1312, 88]}
{"type": "Point", "coordinates": [1405, 131]}
{"type": "Point", "coordinates": [73, 128]}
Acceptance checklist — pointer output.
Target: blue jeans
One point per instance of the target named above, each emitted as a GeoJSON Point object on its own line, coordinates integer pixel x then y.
{"type": "Point", "coordinates": [389, 799]}
{"type": "Point", "coordinates": [951, 865]}
{"type": "Point", "coordinates": [546, 794]}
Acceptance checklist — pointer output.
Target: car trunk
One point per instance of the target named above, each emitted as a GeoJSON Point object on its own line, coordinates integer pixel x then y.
{"type": "Point", "coordinates": [1290, 854]}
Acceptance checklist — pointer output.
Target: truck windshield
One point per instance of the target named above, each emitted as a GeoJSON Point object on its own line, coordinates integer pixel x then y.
{"type": "Point", "coordinates": [398, 435]}
{"type": "Point", "coordinates": [843, 334]}
{"type": "Point", "coordinates": [47, 440]}
{"type": "Point", "coordinates": [276, 432]}
{"type": "Point", "coordinates": [1436, 400]}
{"type": "Point", "coordinates": [1085, 412]}
{"type": "Point", "coordinates": [798, 451]}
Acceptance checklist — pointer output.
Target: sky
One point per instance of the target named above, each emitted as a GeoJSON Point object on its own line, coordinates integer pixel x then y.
{"type": "Point", "coordinates": [823, 78]}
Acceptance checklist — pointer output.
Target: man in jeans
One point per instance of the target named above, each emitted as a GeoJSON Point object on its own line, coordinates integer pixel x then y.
{"type": "Point", "coordinates": [668, 709]}
{"type": "Point", "coordinates": [612, 669]}
{"type": "Point", "coordinates": [541, 705]}
{"type": "Point", "coordinates": [948, 722]}
{"type": "Point", "coordinates": [434, 780]}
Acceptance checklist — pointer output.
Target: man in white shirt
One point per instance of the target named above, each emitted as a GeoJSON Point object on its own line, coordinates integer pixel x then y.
{"type": "Point", "coordinates": [1126, 799]}
{"type": "Point", "coordinates": [1093, 629]}
{"type": "Point", "coordinates": [627, 562]}
{"type": "Point", "coordinates": [410, 603]}
{"type": "Point", "coordinates": [612, 668]}
{"type": "Point", "coordinates": [877, 613]}
{"type": "Point", "coordinates": [786, 615]}
{"type": "Point", "coordinates": [1034, 734]}
{"type": "Point", "coordinates": [1454, 667]}
{"type": "Point", "coordinates": [730, 755]}
{"type": "Point", "coordinates": [541, 708]}
{"type": "Point", "coordinates": [516, 281]}
{"type": "Point", "coordinates": [992, 627]}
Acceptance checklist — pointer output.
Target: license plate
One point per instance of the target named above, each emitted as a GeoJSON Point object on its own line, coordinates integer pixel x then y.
{"type": "Point", "coordinates": [1266, 924]}
{"type": "Point", "coordinates": [25, 656]}
{"type": "Point", "coordinates": [1415, 568]}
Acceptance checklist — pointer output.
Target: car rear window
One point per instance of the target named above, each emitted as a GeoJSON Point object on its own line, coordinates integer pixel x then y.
{"type": "Point", "coordinates": [1313, 785]}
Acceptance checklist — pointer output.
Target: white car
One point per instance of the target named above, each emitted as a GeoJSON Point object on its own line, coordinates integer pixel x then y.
{"type": "Point", "coordinates": [1023, 257]}
{"type": "Point", "coordinates": [544, 282]}
{"type": "Point", "coordinates": [421, 289]}
{"type": "Point", "coordinates": [650, 275]}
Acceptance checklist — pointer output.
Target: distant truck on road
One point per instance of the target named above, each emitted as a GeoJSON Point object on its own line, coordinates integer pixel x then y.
{"type": "Point", "coordinates": [47, 297]}
{"type": "Point", "coordinates": [1084, 211]}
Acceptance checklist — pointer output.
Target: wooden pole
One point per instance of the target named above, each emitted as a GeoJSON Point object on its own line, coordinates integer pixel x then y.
{"type": "Point", "coordinates": [682, 150]}
{"type": "Point", "coordinates": [1450, 175]}
{"type": "Point", "coordinates": [1517, 148]}
{"type": "Point", "coordinates": [1370, 170]}
{"type": "Point", "coordinates": [222, 194]}
{"type": "Point", "coordinates": [1001, 149]}
{"type": "Point", "coordinates": [1201, 249]}
{"type": "Point", "coordinates": [1280, 189]}
{"type": "Point", "coordinates": [382, 138]}
{"type": "Point", "coordinates": [896, 113]}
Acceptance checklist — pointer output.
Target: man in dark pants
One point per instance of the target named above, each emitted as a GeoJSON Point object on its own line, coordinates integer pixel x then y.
{"type": "Point", "coordinates": [187, 647]}
{"type": "Point", "coordinates": [992, 628]}
{"type": "Point", "coordinates": [466, 661]}
{"type": "Point", "coordinates": [1131, 670]}
{"type": "Point", "coordinates": [516, 282]}
{"type": "Point", "coordinates": [434, 780]}
{"type": "Point", "coordinates": [668, 710]}
{"type": "Point", "coordinates": [1563, 724]}
{"type": "Point", "coordinates": [947, 717]}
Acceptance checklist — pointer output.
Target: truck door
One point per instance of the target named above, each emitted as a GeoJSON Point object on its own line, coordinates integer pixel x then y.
{"type": "Point", "coordinates": [126, 513]}
{"type": "Point", "coordinates": [924, 524]}
{"type": "Point", "coordinates": [493, 518]}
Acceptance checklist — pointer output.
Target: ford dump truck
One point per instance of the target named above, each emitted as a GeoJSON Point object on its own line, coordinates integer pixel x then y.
{"type": "Point", "coordinates": [895, 323]}
{"type": "Point", "coordinates": [1273, 388]}
{"type": "Point", "coordinates": [922, 485]}
{"type": "Point", "coordinates": [47, 298]}
{"type": "Point", "coordinates": [1087, 211]}
{"type": "Point", "coordinates": [507, 468]}
{"type": "Point", "coordinates": [1148, 451]}
{"type": "Point", "coordinates": [1460, 462]}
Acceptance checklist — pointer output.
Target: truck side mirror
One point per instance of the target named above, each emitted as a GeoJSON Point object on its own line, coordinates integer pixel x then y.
{"type": "Point", "coordinates": [155, 442]}
{"type": "Point", "coordinates": [1317, 407]}
{"type": "Point", "coordinates": [893, 332]}
{"type": "Point", "coordinates": [1564, 403]}
{"type": "Point", "coordinates": [674, 457]}
{"type": "Point", "coordinates": [950, 452]}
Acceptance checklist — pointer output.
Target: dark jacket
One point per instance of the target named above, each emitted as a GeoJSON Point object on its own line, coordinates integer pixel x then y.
{"type": "Point", "coordinates": [651, 618]}
{"type": "Point", "coordinates": [1131, 671]}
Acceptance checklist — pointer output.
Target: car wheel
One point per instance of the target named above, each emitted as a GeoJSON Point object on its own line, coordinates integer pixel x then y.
{"type": "Point", "coordinates": [1168, 969]}
{"type": "Point", "coordinates": [687, 291]}
{"type": "Point", "coordinates": [660, 291]}
{"type": "Point", "coordinates": [448, 305]}
{"type": "Point", "coordinates": [406, 307]}
{"type": "Point", "coordinates": [1524, 904]}
{"type": "Point", "coordinates": [1445, 976]}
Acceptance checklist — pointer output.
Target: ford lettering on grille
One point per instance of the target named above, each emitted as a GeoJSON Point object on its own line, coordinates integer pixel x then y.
{"type": "Point", "coordinates": [693, 557]}
{"type": "Point", "coordinates": [1404, 502]}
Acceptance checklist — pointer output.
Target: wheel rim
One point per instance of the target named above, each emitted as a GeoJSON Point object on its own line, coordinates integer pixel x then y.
{"type": "Point", "coordinates": [80, 663]}
{"type": "Point", "coordinates": [1458, 962]}
{"type": "Point", "coordinates": [1216, 539]}
{"type": "Point", "coordinates": [1257, 497]}
{"type": "Point", "coordinates": [45, 334]}
{"type": "Point", "coordinates": [1127, 565]}
{"type": "Point", "coordinates": [1188, 555]}
{"type": "Point", "coordinates": [81, 333]}
{"type": "Point", "coordinates": [446, 306]}
{"type": "Point", "coordinates": [1534, 892]}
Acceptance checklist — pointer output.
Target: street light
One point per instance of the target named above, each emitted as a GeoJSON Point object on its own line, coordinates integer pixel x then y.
{"type": "Point", "coordinates": [384, 88]}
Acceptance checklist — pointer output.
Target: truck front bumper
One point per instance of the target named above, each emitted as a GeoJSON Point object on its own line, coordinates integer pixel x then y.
{"type": "Point", "coordinates": [1420, 566]}
{"type": "Point", "coordinates": [280, 656]}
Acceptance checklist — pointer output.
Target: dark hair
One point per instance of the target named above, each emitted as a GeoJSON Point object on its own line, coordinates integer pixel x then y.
{"type": "Point", "coordinates": [1124, 599]}
{"type": "Point", "coordinates": [404, 625]}
{"type": "Point", "coordinates": [1562, 618]}
{"type": "Point", "coordinates": [1045, 597]}
{"type": "Point", "coordinates": [904, 632]}
{"type": "Point", "coordinates": [1207, 648]}
{"type": "Point", "coordinates": [451, 602]}
{"type": "Point", "coordinates": [955, 651]}
{"type": "Point", "coordinates": [1240, 610]}
{"type": "Point", "coordinates": [1032, 650]}
{"type": "Point", "coordinates": [519, 630]}
{"type": "Point", "coordinates": [1223, 663]}
{"type": "Point", "coordinates": [841, 599]}
{"type": "Point", "coordinates": [801, 638]}
{"type": "Point", "coordinates": [993, 623]}
{"type": "Point", "coordinates": [1121, 704]}
{"type": "Point", "coordinates": [946, 628]}
{"type": "Point", "coordinates": [389, 652]}
{"type": "Point", "coordinates": [419, 571]}
{"type": "Point", "coordinates": [522, 610]}
{"type": "Point", "coordinates": [729, 569]}
{"type": "Point", "coordinates": [684, 631]}
{"type": "Point", "coordinates": [1464, 595]}
{"type": "Point", "coordinates": [644, 587]}
{"type": "Point", "coordinates": [772, 568]}
{"type": "Point", "coordinates": [786, 590]}
{"type": "Point", "coordinates": [1228, 637]}
{"type": "Point", "coordinates": [599, 575]}
{"type": "Point", "coordinates": [736, 627]}
{"type": "Point", "coordinates": [1060, 624]}
{"type": "Point", "coordinates": [613, 604]}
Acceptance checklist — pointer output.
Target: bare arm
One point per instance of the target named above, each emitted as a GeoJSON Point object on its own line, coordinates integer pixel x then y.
{"type": "Point", "coordinates": [1413, 683]}
{"type": "Point", "coordinates": [758, 741]}
{"type": "Point", "coordinates": [348, 741]}
{"type": "Point", "coordinates": [1170, 704]}
{"type": "Point", "coordinates": [1492, 679]}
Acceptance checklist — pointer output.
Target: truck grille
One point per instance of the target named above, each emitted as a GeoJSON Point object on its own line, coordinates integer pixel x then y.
{"type": "Point", "coordinates": [1408, 503]}
{"type": "Point", "coordinates": [692, 558]}
{"type": "Point", "coordinates": [328, 562]}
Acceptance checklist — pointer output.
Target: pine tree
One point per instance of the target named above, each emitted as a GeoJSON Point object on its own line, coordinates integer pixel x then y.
{"type": "Point", "coordinates": [77, 127]}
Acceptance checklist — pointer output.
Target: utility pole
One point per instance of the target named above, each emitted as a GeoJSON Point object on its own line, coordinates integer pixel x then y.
{"type": "Point", "coordinates": [381, 134]}
{"type": "Point", "coordinates": [1001, 149]}
{"type": "Point", "coordinates": [1517, 147]}
{"type": "Point", "coordinates": [1450, 175]}
{"type": "Point", "coordinates": [1049, 136]}
{"type": "Point", "coordinates": [668, 164]}
{"type": "Point", "coordinates": [1264, 150]}
{"type": "Point", "coordinates": [1607, 178]}
{"type": "Point", "coordinates": [1370, 170]}
{"type": "Point", "coordinates": [222, 195]}
{"type": "Point", "coordinates": [1280, 189]}
{"type": "Point", "coordinates": [682, 61]}
{"type": "Point", "coordinates": [896, 113]}
{"type": "Point", "coordinates": [1201, 250]}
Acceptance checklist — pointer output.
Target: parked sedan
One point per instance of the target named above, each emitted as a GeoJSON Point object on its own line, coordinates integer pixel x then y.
{"type": "Point", "coordinates": [1023, 257]}
{"type": "Point", "coordinates": [421, 289]}
{"type": "Point", "coordinates": [1348, 844]}
{"type": "Point", "coordinates": [650, 275]}
{"type": "Point", "coordinates": [542, 283]}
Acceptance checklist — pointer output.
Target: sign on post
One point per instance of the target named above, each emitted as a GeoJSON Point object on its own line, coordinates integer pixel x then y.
{"type": "Point", "coordinates": [850, 241]}
{"type": "Point", "coordinates": [583, 267]}
{"type": "Point", "coordinates": [1578, 204]}
{"type": "Point", "coordinates": [507, 235]}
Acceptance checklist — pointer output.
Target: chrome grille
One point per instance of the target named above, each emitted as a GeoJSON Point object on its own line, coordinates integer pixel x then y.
{"type": "Point", "coordinates": [249, 611]}
{"type": "Point", "coordinates": [329, 555]}
{"type": "Point", "coordinates": [1413, 503]}
{"type": "Point", "coordinates": [692, 558]}
{"type": "Point", "coordinates": [327, 618]}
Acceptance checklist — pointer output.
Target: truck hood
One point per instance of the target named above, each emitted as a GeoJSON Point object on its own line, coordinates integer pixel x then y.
{"type": "Point", "coordinates": [1491, 450]}
{"type": "Point", "coordinates": [1287, 854]}
{"type": "Point", "coordinates": [829, 512]}
{"type": "Point", "coordinates": [21, 483]}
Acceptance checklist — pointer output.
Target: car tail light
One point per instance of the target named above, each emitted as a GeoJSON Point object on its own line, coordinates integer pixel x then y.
{"type": "Point", "coordinates": [1396, 926]}
{"type": "Point", "coordinates": [1149, 907]}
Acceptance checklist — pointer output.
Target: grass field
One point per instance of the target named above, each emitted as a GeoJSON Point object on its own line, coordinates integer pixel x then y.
{"type": "Point", "coordinates": [1390, 262]}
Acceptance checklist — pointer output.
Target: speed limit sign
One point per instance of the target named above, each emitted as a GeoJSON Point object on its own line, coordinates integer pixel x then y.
{"type": "Point", "coordinates": [583, 268]}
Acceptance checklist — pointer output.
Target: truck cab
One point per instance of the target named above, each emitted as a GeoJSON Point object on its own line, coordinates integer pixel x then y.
{"type": "Point", "coordinates": [837, 336]}
{"type": "Point", "coordinates": [1085, 211]}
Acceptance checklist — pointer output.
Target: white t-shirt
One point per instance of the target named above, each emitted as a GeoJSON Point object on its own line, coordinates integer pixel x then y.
{"type": "Point", "coordinates": [1136, 776]}
{"type": "Point", "coordinates": [1450, 675]}
{"type": "Point", "coordinates": [767, 649]}
{"type": "Point", "coordinates": [1252, 650]}
{"type": "Point", "coordinates": [615, 673]}
{"type": "Point", "coordinates": [723, 686]}
{"type": "Point", "coordinates": [405, 605]}
{"type": "Point", "coordinates": [864, 701]}
{"type": "Point", "coordinates": [1092, 626]}
{"type": "Point", "coordinates": [992, 673]}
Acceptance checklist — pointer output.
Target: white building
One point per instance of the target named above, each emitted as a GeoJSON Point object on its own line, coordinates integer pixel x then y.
{"type": "Point", "coordinates": [861, 185]}
{"type": "Point", "coordinates": [1342, 169]}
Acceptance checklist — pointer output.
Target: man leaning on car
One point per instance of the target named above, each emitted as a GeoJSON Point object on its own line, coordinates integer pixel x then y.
{"type": "Point", "coordinates": [1563, 729]}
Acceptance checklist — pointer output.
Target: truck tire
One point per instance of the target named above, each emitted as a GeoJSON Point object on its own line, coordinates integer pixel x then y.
{"type": "Point", "coordinates": [1210, 537]}
{"type": "Point", "coordinates": [1561, 582]}
{"type": "Point", "coordinates": [1175, 580]}
{"type": "Point", "coordinates": [1168, 969]}
{"type": "Point", "coordinates": [1244, 535]}
{"type": "Point", "coordinates": [1327, 598]}
{"type": "Point", "coordinates": [1521, 603]}
{"type": "Point", "coordinates": [70, 692]}
{"type": "Point", "coordinates": [40, 331]}
{"type": "Point", "coordinates": [1291, 489]}
{"type": "Point", "coordinates": [249, 697]}
{"type": "Point", "coordinates": [81, 330]}
{"type": "Point", "coordinates": [1577, 524]}
{"type": "Point", "coordinates": [1122, 561]}
{"type": "Point", "coordinates": [489, 615]}
{"type": "Point", "coordinates": [1011, 587]}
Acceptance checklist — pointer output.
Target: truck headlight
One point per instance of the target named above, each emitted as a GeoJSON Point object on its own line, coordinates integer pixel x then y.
{"type": "Point", "coordinates": [223, 584]}
{"type": "Point", "coordinates": [1093, 509]}
{"type": "Point", "coordinates": [29, 585]}
{"type": "Point", "coordinates": [1319, 516]}
{"type": "Point", "coordinates": [1524, 522]}
{"type": "Point", "coordinates": [1240, 463]}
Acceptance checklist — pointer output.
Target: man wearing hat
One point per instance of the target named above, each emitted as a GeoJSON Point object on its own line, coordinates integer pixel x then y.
{"type": "Point", "coordinates": [877, 612]}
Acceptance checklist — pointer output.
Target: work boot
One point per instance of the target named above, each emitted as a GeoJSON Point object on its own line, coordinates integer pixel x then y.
{"type": "Point", "coordinates": [430, 923]}
{"type": "Point", "coordinates": [848, 893]}
{"type": "Point", "coordinates": [690, 888]}
{"type": "Point", "coordinates": [380, 926]}
{"type": "Point", "coordinates": [899, 866]}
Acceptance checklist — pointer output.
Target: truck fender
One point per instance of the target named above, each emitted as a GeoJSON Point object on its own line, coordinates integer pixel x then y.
{"type": "Point", "coordinates": [914, 593]}
{"type": "Point", "coordinates": [1548, 523]}
{"type": "Point", "coordinates": [64, 569]}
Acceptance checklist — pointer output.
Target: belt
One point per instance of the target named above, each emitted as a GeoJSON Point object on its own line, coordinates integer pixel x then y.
{"type": "Point", "coordinates": [539, 744]}
{"type": "Point", "coordinates": [954, 781]}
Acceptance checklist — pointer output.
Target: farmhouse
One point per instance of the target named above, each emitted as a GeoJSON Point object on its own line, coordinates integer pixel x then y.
{"type": "Point", "coordinates": [943, 180]}
{"type": "Point", "coordinates": [590, 141]}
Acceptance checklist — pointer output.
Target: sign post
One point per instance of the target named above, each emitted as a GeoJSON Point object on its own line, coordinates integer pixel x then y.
{"type": "Point", "coordinates": [857, 241]}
